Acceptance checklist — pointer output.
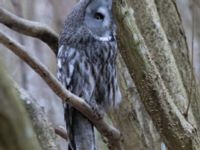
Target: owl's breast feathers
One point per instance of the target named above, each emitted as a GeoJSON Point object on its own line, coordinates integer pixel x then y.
{"type": "Point", "coordinates": [87, 67]}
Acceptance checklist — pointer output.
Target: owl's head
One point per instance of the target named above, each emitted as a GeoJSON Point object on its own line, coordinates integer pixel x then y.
{"type": "Point", "coordinates": [98, 19]}
{"type": "Point", "coordinates": [89, 18]}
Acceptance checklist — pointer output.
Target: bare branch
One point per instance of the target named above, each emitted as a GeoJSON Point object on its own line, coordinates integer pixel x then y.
{"type": "Point", "coordinates": [42, 126]}
{"type": "Point", "coordinates": [176, 131]}
{"type": "Point", "coordinates": [105, 129]}
{"type": "Point", "coordinates": [16, 131]}
{"type": "Point", "coordinates": [62, 133]}
{"type": "Point", "coordinates": [30, 28]}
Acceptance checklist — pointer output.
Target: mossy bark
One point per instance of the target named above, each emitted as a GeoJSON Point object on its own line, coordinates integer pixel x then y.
{"type": "Point", "coordinates": [43, 128]}
{"type": "Point", "coordinates": [16, 132]}
{"type": "Point", "coordinates": [172, 25]}
{"type": "Point", "coordinates": [147, 53]}
{"type": "Point", "coordinates": [131, 118]}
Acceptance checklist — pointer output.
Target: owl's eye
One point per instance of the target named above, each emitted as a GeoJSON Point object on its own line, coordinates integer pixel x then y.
{"type": "Point", "coordinates": [98, 16]}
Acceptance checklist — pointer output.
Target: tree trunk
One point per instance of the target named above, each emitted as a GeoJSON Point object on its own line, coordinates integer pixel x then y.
{"type": "Point", "coordinates": [42, 127]}
{"type": "Point", "coordinates": [132, 119]}
{"type": "Point", "coordinates": [156, 87]}
{"type": "Point", "coordinates": [155, 66]}
{"type": "Point", "coordinates": [16, 132]}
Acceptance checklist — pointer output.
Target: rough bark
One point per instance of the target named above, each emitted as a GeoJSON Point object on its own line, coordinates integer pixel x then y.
{"type": "Point", "coordinates": [42, 127]}
{"type": "Point", "coordinates": [131, 118]}
{"type": "Point", "coordinates": [16, 131]}
{"type": "Point", "coordinates": [172, 25]}
{"type": "Point", "coordinates": [167, 43]}
{"type": "Point", "coordinates": [150, 80]}
{"type": "Point", "coordinates": [148, 22]}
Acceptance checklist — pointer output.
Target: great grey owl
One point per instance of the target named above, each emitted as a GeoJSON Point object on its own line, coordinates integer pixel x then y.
{"type": "Point", "coordinates": [87, 65]}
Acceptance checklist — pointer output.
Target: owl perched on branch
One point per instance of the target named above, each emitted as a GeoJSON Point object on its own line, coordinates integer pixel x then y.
{"type": "Point", "coordinates": [87, 66]}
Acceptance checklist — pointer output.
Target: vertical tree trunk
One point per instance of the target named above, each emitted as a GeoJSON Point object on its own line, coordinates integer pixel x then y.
{"type": "Point", "coordinates": [160, 80]}
{"type": "Point", "coordinates": [42, 127]}
{"type": "Point", "coordinates": [132, 119]}
{"type": "Point", "coordinates": [16, 132]}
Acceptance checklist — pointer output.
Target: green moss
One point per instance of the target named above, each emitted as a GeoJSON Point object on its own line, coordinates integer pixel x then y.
{"type": "Point", "coordinates": [16, 131]}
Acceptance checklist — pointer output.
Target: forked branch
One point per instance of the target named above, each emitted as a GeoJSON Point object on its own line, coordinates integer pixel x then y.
{"type": "Point", "coordinates": [30, 28]}
{"type": "Point", "coordinates": [111, 133]}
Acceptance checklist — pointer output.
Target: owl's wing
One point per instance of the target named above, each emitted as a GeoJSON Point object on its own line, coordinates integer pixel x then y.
{"type": "Point", "coordinates": [65, 63]}
{"type": "Point", "coordinates": [65, 70]}
{"type": "Point", "coordinates": [70, 73]}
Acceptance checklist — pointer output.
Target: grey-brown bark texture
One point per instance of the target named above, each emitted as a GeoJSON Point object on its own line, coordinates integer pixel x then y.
{"type": "Point", "coordinates": [16, 132]}
{"type": "Point", "coordinates": [153, 56]}
{"type": "Point", "coordinates": [156, 86]}
{"type": "Point", "coordinates": [42, 127]}
{"type": "Point", "coordinates": [132, 119]}
{"type": "Point", "coordinates": [11, 101]}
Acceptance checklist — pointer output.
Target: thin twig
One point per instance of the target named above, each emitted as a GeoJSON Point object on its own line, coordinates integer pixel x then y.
{"type": "Point", "coordinates": [111, 133]}
{"type": "Point", "coordinates": [62, 133]}
{"type": "Point", "coordinates": [192, 66]}
{"type": "Point", "coordinates": [30, 28]}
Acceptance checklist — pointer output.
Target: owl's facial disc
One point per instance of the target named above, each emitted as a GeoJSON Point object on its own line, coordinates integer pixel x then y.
{"type": "Point", "coordinates": [98, 19]}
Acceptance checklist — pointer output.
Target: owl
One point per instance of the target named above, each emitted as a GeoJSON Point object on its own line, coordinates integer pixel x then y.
{"type": "Point", "coordinates": [87, 66]}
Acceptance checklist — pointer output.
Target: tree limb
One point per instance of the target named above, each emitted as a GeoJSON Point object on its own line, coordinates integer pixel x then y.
{"type": "Point", "coordinates": [48, 36]}
{"type": "Point", "coordinates": [174, 129]}
{"type": "Point", "coordinates": [30, 28]}
{"type": "Point", "coordinates": [44, 130]}
{"type": "Point", "coordinates": [62, 133]}
{"type": "Point", "coordinates": [16, 131]}
{"type": "Point", "coordinates": [111, 133]}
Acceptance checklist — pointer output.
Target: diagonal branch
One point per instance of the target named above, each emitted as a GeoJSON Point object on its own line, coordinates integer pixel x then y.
{"type": "Point", "coordinates": [62, 133]}
{"type": "Point", "coordinates": [112, 134]}
{"type": "Point", "coordinates": [30, 28]}
{"type": "Point", "coordinates": [16, 131]}
{"type": "Point", "coordinates": [176, 131]}
{"type": "Point", "coordinates": [42, 127]}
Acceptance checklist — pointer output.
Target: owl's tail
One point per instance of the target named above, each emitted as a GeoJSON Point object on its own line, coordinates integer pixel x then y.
{"type": "Point", "coordinates": [80, 129]}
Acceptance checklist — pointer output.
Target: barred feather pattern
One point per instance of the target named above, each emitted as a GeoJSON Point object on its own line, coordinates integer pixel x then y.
{"type": "Point", "coordinates": [87, 67]}
{"type": "Point", "coordinates": [89, 71]}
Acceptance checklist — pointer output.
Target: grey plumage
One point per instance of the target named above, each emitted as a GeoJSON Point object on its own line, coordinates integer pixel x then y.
{"type": "Point", "coordinates": [87, 65]}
